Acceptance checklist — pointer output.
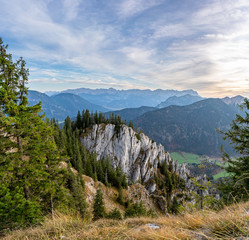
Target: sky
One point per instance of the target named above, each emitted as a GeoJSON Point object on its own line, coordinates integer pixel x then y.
{"type": "Point", "coordinates": [125, 44]}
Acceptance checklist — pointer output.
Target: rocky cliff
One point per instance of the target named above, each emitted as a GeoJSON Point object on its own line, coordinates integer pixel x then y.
{"type": "Point", "coordinates": [133, 152]}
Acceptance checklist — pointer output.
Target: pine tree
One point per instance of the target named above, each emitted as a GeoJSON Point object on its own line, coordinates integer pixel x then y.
{"type": "Point", "coordinates": [89, 168]}
{"type": "Point", "coordinates": [78, 121]}
{"type": "Point", "coordinates": [124, 181]}
{"type": "Point", "coordinates": [130, 125]}
{"type": "Point", "coordinates": [101, 118]}
{"type": "Point", "coordinates": [96, 118]}
{"type": "Point", "coordinates": [168, 182]}
{"type": "Point", "coordinates": [83, 126]}
{"type": "Point", "coordinates": [238, 183]}
{"type": "Point", "coordinates": [87, 119]}
{"type": "Point", "coordinates": [120, 198]}
{"type": "Point", "coordinates": [98, 206]}
{"type": "Point", "coordinates": [29, 159]}
{"type": "Point", "coordinates": [100, 172]}
{"type": "Point", "coordinates": [77, 186]}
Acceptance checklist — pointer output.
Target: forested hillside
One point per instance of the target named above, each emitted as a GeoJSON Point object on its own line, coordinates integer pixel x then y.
{"type": "Point", "coordinates": [191, 128]}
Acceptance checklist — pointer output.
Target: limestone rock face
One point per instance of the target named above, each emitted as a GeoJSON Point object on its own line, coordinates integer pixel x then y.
{"type": "Point", "coordinates": [134, 153]}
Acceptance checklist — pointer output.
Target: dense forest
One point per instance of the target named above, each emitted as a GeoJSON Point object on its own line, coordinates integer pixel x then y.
{"type": "Point", "coordinates": [67, 139]}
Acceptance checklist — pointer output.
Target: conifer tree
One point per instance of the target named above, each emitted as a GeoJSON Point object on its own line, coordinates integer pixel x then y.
{"type": "Point", "coordinates": [78, 121]}
{"type": "Point", "coordinates": [96, 118]}
{"type": "Point", "coordinates": [98, 206]}
{"type": "Point", "coordinates": [89, 168]}
{"type": "Point", "coordinates": [100, 172]}
{"type": "Point", "coordinates": [238, 183]}
{"type": "Point", "coordinates": [29, 159]}
{"type": "Point", "coordinates": [168, 182]}
{"type": "Point", "coordinates": [77, 187]}
{"type": "Point", "coordinates": [130, 125]}
{"type": "Point", "coordinates": [83, 122]}
{"type": "Point", "coordinates": [87, 119]}
{"type": "Point", "coordinates": [101, 118]}
{"type": "Point", "coordinates": [120, 198]}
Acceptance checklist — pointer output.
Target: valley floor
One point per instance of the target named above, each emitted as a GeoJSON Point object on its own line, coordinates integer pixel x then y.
{"type": "Point", "coordinates": [230, 223]}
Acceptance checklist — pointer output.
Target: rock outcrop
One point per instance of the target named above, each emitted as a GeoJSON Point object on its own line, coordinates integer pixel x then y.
{"type": "Point", "coordinates": [135, 154]}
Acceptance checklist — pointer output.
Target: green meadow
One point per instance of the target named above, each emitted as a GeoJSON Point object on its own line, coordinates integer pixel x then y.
{"type": "Point", "coordinates": [183, 157]}
{"type": "Point", "coordinates": [221, 175]}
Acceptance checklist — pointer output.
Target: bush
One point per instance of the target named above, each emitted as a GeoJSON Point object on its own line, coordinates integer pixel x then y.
{"type": "Point", "coordinates": [115, 214]}
{"type": "Point", "coordinates": [15, 210]}
{"type": "Point", "coordinates": [151, 213]}
{"type": "Point", "coordinates": [135, 210]}
{"type": "Point", "coordinates": [138, 136]}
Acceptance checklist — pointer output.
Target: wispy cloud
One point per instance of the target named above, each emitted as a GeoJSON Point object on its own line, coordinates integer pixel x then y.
{"type": "Point", "coordinates": [172, 30]}
{"type": "Point", "coordinates": [125, 44]}
{"type": "Point", "coordinates": [129, 8]}
{"type": "Point", "coordinates": [71, 9]}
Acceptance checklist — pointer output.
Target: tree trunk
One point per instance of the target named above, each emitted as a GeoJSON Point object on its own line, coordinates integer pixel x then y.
{"type": "Point", "coordinates": [26, 192]}
{"type": "Point", "coordinates": [19, 142]}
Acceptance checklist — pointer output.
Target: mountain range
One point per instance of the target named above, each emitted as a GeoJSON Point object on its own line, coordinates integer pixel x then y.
{"type": "Point", "coordinates": [182, 122]}
{"type": "Point", "coordinates": [119, 99]}
{"type": "Point", "coordinates": [62, 105]}
{"type": "Point", "coordinates": [59, 105]}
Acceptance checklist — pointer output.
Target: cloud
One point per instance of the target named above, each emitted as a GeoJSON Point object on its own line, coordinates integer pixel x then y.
{"type": "Point", "coordinates": [127, 44]}
{"type": "Point", "coordinates": [172, 30]}
{"type": "Point", "coordinates": [70, 9]}
{"type": "Point", "coordinates": [129, 8]}
{"type": "Point", "coordinates": [138, 55]}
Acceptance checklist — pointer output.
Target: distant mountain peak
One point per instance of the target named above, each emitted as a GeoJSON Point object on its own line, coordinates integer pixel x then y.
{"type": "Point", "coordinates": [180, 100]}
{"type": "Point", "coordinates": [116, 99]}
{"type": "Point", "coordinates": [234, 100]}
{"type": "Point", "coordinates": [61, 105]}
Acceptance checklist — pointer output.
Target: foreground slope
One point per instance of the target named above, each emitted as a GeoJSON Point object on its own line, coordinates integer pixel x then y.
{"type": "Point", "coordinates": [230, 223]}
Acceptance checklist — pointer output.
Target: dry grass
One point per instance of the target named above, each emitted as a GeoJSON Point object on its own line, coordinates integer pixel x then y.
{"type": "Point", "coordinates": [230, 223]}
